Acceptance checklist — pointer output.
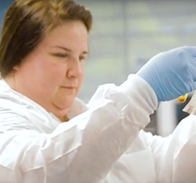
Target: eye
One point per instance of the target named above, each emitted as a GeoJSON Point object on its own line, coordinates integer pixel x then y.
{"type": "Point", "coordinates": [60, 55]}
{"type": "Point", "coordinates": [82, 58]}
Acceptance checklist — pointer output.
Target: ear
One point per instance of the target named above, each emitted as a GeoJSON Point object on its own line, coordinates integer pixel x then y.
{"type": "Point", "coordinates": [16, 68]}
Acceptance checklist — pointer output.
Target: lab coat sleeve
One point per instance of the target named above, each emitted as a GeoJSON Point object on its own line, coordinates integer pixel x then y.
{"type": "Point", "coordinates": [175, 155]}
{"type": "Point", "coordinates": [85, 148]}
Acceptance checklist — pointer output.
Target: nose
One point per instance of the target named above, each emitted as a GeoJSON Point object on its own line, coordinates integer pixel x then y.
{"type": "Point", "coordinates": [75, 69]}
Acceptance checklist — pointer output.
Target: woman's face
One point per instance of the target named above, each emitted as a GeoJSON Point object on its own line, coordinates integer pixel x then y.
{"type": "Point", "coordinates": [52, 73]}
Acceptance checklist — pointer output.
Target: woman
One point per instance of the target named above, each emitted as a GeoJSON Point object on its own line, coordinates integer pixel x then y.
{"type": "Point", "coordinates": [43, 45]}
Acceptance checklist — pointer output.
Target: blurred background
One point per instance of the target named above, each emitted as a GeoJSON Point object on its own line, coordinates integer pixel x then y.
{"type": "Point", "coordinates": [125, 35]}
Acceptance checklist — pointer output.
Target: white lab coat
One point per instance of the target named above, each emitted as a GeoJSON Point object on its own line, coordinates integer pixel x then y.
{"type": "Point", "coordinates": [102, 143]}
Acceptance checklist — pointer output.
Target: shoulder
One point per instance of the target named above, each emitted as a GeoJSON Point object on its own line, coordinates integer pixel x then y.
{"type": "Point", "coordinates": [17, 112]}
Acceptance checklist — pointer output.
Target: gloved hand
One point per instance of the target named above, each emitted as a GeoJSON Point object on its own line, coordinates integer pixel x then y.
{"type": "Point", "coordinates": [172, 73]}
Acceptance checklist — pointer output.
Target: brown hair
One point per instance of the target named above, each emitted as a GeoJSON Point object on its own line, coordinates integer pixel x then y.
{"type": "Point", "coordinates": [27, 21]}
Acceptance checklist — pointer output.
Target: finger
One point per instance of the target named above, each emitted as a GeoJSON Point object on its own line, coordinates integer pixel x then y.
{"type": "Point", "coordinates": [192, 68]}
{"type": "Point", "coordinates": [191, 50]}
{"type": "Point", "coordinates": [191, 86]}
{"type": "Point", "coordinates": [194, 86]}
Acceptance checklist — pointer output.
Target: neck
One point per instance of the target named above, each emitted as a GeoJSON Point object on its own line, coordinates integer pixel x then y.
{"type": "Point", "coordinates": [64, 118]}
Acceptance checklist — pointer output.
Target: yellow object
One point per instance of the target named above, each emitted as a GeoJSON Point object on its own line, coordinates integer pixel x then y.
{"type": "Point", "coordinates": [183, 98]}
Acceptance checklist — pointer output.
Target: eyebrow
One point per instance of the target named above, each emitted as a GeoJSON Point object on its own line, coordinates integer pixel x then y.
{"type": "Point", "coordinates": [66, 49]}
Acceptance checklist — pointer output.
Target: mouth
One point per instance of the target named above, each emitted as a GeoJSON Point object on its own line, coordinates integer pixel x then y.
{"type": "Point", "coordinates": [69, 87]}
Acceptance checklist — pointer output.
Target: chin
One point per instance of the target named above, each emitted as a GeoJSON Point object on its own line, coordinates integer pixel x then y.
{"type": "Point", "coordinates": [59, 112]}
{"type": "Point", "coordinates": [65, 104]}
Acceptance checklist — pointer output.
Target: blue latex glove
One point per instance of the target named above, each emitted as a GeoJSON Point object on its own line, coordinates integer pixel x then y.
{"type": "Point", "coordinates": [172, 73]}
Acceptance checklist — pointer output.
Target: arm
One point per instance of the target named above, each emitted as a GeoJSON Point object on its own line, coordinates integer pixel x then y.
{"type": "Point", "coordinates": [174, 156]}
{"type": "Point", "coordinates": [83, 150]}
